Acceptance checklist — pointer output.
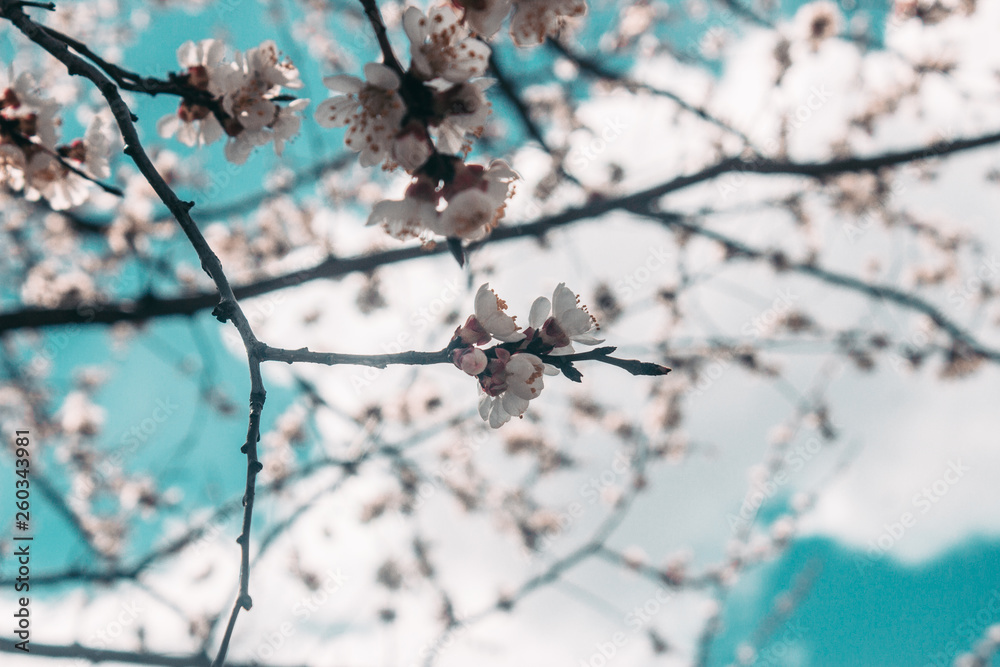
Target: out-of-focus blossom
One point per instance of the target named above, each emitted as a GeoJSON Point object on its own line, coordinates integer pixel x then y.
{"type": "Point", "coordinates": [49, 285]}
{"type": "Point", "coordinates": [26, 113]}
{"type": "Point", "coordinates": [48, 177]}
{"type": "Point", "coordinates": [534, 20]}
{"type": "Point", "coordinates": [817, 21]}
{"type": "Point", "coordinates": [79, 416]}
{"type": "Point", "coordinates": [485, 16]}
{"type": "Point", "coordinates": [12, 166]}
{"type": "Point", "coordinates": [31, 161]}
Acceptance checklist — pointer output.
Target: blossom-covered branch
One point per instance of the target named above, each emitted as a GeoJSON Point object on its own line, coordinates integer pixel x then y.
{"type": "Point", "coordinates": [510, 372]}
{"type": "Point", "coordinates": [425, 117]}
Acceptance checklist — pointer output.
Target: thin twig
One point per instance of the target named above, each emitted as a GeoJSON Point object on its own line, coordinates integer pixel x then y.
{"type": "Point", "coordinates": [887, 292]}
{"type": "Point", "coordinates": [415, 358]}
{"type": "Point", "coordinates": [24, 141]}
{"type": "Point", "coordinates": [269, 353]}
{"type": "Point", "coordinates": [594, 68]}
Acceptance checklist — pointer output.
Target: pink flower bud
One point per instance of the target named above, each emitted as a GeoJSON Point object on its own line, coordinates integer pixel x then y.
{"type": "Point", "coordinates": [472, 332]}
{"type": "Point", "coordinates": [471, 360]}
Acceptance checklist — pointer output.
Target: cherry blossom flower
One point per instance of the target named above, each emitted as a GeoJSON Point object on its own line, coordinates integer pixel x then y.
{"type": "Point", "coordinates": [491, 313]}
{"type": "Point", "coordinates": [473, 204]}
{"type": "Point", "coordinates": [251, 83]}
{"type": "Point", "coordinates": [263, 68]}
{"type": "Point", "coordinates": [372, 110]}
{"type": "Point", "coordinates": [489, 321]}
{"type": "Point", "coordinates": [485, 16]}
{"type": "Point", "coordinates": [514, 380]}
{"type": "Point", "coordinates": [242, 94]}
{"type": "Point", "coordinates": [510, 376]}
{"type": "Point", "coordinates": [195, 124]}
{"type": "Point", "coordinates": [534, 20]}
{"type": "Point", "coordinates": [48, 177]}
{"type": "Point", "coordinates": [477, 200]}
{"type": "Point", "coordinates": [567, 324]}
{"type": "Point", "coordinates": [463, 110]}
{"type": "Point", "coordinates": [411, 217]}
{"type": "Point", "coordinates": [28, 126]}
{"type": "Point", "coordinates": [440, 46]}
{"type": "Point", "coordinates": [412, 147]}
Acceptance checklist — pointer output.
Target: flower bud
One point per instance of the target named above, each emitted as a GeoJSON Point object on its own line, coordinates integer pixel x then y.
{"type": "Point", "coordinates": [472, 332]}
{"type": "Point", "coordinates": [471, 360]}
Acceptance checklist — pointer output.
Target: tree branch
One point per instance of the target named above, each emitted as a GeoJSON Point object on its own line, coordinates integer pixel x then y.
{"type": "Point", "coordinates": [378, 26]}
{"type": "Point", "coordinates": [226, 309]}
{"type": "Point", "coordinates": [152, 307]}
{"type": "Point", "coordinates": [269, 353]}
{"type": "Point", "coordinates": [603, 354]}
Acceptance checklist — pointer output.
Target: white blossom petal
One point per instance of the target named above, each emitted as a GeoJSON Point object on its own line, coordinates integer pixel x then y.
{"type": "Point", "coordinates": [539, 312]}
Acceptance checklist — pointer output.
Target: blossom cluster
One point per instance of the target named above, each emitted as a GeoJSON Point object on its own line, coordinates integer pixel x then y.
{"type": "Point", "coordinates": [424, 119]}
{"type": "Point", "coordinates": [32, 160]}
{"type": "Point", "coordinates": [468, 206]}
{"type": "Point", "coordinates": [510, 374]}
{"type": "Point", "coordinates": [238, 99]}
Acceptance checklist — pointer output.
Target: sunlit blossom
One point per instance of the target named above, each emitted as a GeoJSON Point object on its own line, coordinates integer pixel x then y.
{"type": "Point", "coordinates": [569, 322]}
{"type": "Point", "coordinates": [440, 46]}
{"type": "Point", "coordinates": [371, 109]}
